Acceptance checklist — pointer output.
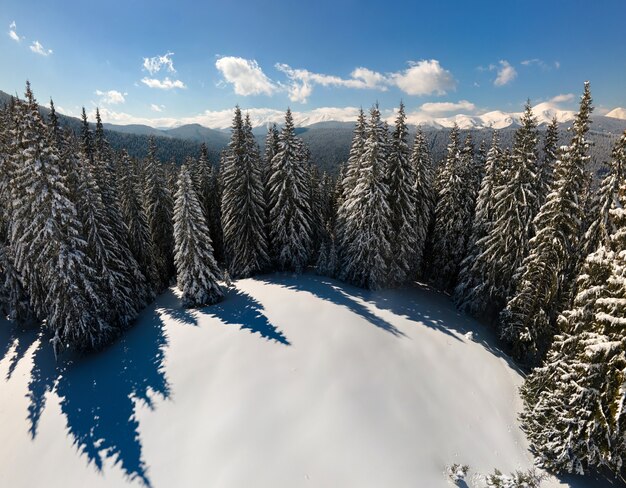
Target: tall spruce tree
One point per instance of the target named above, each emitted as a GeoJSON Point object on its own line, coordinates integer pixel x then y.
{"type": "Point", "coordinates": [196, 269]}
{"type": "Point", "coordinates": [366, 248]}
{"type": "Point", "coordinates": [527, 323]}
{"type": "Point", "coordinates": [290, 211]}
{"type": "Point", "coordinates": [348, 176]}
{"type": "Point", "coordinates": [401, 182]}
{"type": "Point", "coordinates": [450, 232]}
{"type": "Point", "coordinates": [574, 412]}
{"type": "Point", "coordinates": [158, 208]}
{"type": "Point", "coordinates": [545, 170]}
{"type": "Point", "coordinates": [474, 292]}
{"type": "Point", "coordinates": [424, 195]}
{"type": "Point", "coordinates": [505, 245]}
{"type": "Point", "coordinates": [139, 238]}
{"type": "Point", "coordinates": [46, 242]}
{"type": "Point", "coordinates": [242, 216]}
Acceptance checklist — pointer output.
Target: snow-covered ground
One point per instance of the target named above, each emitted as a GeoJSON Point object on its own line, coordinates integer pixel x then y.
{"type": "Point", "coordinates": [291, 381]}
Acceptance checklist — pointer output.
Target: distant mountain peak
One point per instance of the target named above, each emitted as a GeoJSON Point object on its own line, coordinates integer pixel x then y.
{"type": "Point", "coordinates": [617, 113]}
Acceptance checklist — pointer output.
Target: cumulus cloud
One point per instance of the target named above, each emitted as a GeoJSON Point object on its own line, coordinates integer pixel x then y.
{"type": "Point", "coordinates": [420, 78]}
{"type": "Point", "coordinates": [565, 97]}
{"type": "Point", "coordinates": [245, 75]}
{"type": "Point", "coordinates": [164, 84]}
{"type": "Point", "coordinates": [156, 108]}
{"type": "Point", "coordinates": [506, 74]}
{"type": "Point", "coordinates": [424, 77]}
{"type": "Point", "coordinates": [301, 81]}
{"type": "Point", "coordinates": [37, 48]}
{"type": "Point", "coordinates": [111, 97]}
{"type": "Point", "coordinates": [13, 32]}
{"type": "Point", "coordinates": [155, 64]}
{"type": "Point", "coordinates": [445, 107]}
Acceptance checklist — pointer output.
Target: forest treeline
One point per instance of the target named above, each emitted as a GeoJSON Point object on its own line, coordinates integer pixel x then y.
{"type": "Point", "coordinates": [519, 236]}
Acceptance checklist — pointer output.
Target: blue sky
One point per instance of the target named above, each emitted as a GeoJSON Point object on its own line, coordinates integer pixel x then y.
{"type": "Point", "coordinates": [167, 62]}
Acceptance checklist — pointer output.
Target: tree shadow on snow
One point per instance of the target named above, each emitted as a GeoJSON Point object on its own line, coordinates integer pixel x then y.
{"type": "Point", "coordinates": [420, 303]}
{"type": "Point", "coordinates": [15, 341]}
{"type": "Point", "coordinates": [333, 291]}
{"type": "Point", "coordinates": [99, 393]}
{"type": "Point", "coordinates": [239, 308]}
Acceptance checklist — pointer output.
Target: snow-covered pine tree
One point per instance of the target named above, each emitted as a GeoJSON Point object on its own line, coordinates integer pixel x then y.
{"type": "Point", "coordinates": [401, 182]}
{"type": "Point", "coordinates": [472, 170]}
{"type": "Point", "coordinates": [86, 137]}
{"type": "Point", "coordinates": [505, 246]}
{"type": "Point", "coordinates": [545, 169]}
{"type": "Point", "coordinates": [109, 258]}
{"type": "Point", "coordinates": [450, 232]}
{"type": "Point", "coordinates": [473, 293]}
{"type": "Point", "coordinates": [202, 173]}
{"type": "Point", "coordinates": [105, 174]}
{"type": "Point", "coordinates": [132, 211]}
{"type": "Point", "coordinates": [46, 242]}
{"type": "Point", "coordinates": [214, 215]}
{"type": "Point", "coordinates": [14, 302]}
{"type": "Point", "coordinates": [527, 322]}
{"type": "Point", "coordinates": [242, 216]}
{"type": "Point", "coordinates": [574, 412]}
{"type": "Point", "coordinates": [290, 211]}
{"type": "Point", "coordinates": [271, 148]}
{"type": "Point", "coordinates": [424, 195]}
{"type": "Point", "coordinates": [158, 208]}
{"type": "Point", "coordinates": [348, 175]}
{"type": "Point", "coordinates": [317, 216]}
{"type": "Point", "coordinates": [525, 160]}
{"type": "Point", "coordinates": [196, 269]}
{"type": "Point", "coordinates": [366, 248]}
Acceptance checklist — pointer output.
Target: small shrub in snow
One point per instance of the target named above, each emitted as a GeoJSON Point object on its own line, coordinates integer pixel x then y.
{"type": "Point", "coordinates": [457, 472]}
{"type": "Point", "coordinates": [519, 479]}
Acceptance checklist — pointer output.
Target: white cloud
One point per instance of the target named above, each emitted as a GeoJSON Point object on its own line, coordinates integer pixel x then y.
{"type": "Point", "coordinates": [37, 48]}
{"type": "Point", "coordinates": [13, 32]}
{"type": "Point", "coordinates": [153, 65]}
{"type": "Point", "coordinates": [165, 84]}
{"type": "Point", "coordinates": [557, 64]}
{"type": "Point", "coordinates": [245, 75]}
{"type": "Point", "coordinates": [424, 78]}
{"type": "Point", "coordinates": [301, 81]}
{"type": "Point", "coordinates": [420, 78]}
{"type": "Point", "coordinates": [566, 97]}
{"type": "Point", "coordinates": [156, 108]}
{"type": "Point", "coordinates": [111, 97]}
{"type": "Point", "coordinates": [445, 107]}
{"type": "Point", "coordinates": [506, 74]}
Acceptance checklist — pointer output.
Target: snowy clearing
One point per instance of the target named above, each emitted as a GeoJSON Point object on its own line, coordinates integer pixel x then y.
{"type": "Point", "coordinates": [291, 381]}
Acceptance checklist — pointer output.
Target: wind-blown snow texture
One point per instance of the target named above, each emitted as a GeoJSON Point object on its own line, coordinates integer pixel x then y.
{"type": "Point", "coordinates": [288, 382]}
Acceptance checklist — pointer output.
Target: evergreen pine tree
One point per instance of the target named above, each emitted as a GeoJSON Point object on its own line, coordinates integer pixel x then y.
{"type": "Point", "coordinates": [348, 176]}
{"type": "Point", "coordinates": [450, 231]}
{"type": "Point", "coordinates": [401, 182]}
{"type": "Point", "coordinates": [545, 171]}
{"type": "Point", "coordinates": [474, 291]}
{"type": "Point", "coordinates": [159, 208]}
{"type": "Point", "coordinates": [424, 195]}
{"type": "Point", "coordinates": [366, 248]}
{"type": "Point", "coordinates": [46, 242]}
{"type": "Point", "coordinates": [574, 412]}
{"type": "Point", "coordinates": [242, 204]}
{"type": "Point", "coordinates": [196, 269]}
{"type": "Point", "coordinates": [132, 211]}
{"type": "Point", "coordinates": [527, 323]}
{"type": "Point", "coordinates": [290, 211]}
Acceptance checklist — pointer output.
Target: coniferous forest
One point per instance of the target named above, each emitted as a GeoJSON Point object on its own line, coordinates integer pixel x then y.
{"type": "Point", "coordinates": [525, 239]}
